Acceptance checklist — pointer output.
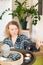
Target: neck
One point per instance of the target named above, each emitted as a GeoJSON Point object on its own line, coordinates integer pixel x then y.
{"type": "Point", "coordinates": [14, 38]}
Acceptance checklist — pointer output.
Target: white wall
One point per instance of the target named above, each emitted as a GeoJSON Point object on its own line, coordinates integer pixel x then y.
{"type": "Point", "coordinates": [38, 29]}
{"type": "Point", "coordinates": [4, 4]}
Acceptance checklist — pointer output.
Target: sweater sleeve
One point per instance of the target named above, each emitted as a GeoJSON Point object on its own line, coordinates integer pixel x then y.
{"type": "Point", "coordinates": [7, 41]}
{"type": "Point", "coordinates": [26, 42]}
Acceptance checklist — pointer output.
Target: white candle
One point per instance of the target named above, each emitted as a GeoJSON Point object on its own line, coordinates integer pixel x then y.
{"type": "Point", "coordinates": [28, 54]}
{"type": "Point", "coordinates": [27, 58]}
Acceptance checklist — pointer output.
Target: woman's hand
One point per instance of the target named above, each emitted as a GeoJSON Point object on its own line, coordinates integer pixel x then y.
{"type": "Point", "coordinates": [38, 44]}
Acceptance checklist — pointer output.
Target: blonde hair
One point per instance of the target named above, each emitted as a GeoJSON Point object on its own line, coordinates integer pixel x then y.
{"type": "Point", "coordinates": [7, 33]}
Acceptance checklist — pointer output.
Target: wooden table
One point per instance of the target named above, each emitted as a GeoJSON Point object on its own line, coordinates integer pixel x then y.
{"type": "Point", "coordinates": [23, 52]}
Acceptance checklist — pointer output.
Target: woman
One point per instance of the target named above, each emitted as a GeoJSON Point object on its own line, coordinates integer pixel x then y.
{"type": "Point", "coordinates": [14, 37]}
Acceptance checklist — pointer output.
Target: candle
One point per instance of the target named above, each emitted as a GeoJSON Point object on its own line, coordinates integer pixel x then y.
{"type": "Point", "coordinates": [27, 58]}
{"type": "Point", "coordinates": [28, 55]}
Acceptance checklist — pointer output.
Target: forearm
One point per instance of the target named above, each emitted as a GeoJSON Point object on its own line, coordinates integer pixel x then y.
{"type": "Point", "coordinates": [37, 44]}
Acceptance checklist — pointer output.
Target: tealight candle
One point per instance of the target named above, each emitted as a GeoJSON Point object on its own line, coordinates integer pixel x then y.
{"type": "Point", "coordinates": [27, 58]}
{"type": "Point", "coordinates": [28, 55]}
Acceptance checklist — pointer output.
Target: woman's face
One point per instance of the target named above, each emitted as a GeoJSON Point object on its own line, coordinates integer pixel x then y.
{"type": "Point", "coordinates": [13, 30]}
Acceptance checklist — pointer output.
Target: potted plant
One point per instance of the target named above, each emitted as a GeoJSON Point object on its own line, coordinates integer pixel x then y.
{"type": "Point", "coordinates": [23, 12]}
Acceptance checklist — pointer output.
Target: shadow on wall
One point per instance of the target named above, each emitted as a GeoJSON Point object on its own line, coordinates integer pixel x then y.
{"type": "Point", "coordinates": [39, 29]}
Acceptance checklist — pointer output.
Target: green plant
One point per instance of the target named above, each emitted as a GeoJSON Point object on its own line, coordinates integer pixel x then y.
{"type": "Point", "coordinates": [22, 12]}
